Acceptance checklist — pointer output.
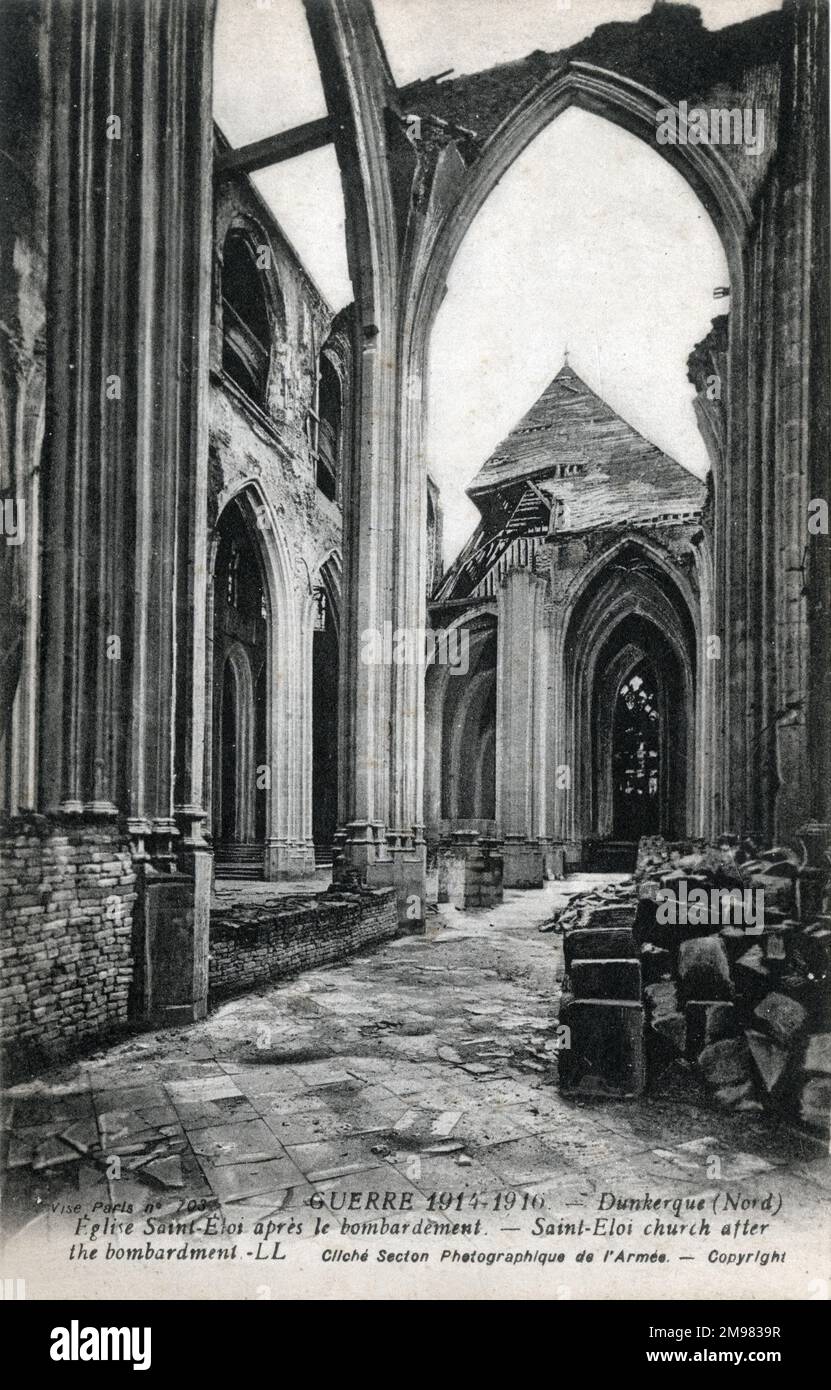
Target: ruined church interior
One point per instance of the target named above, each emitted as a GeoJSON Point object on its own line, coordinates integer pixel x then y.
{"type": "Point", "coordinates": [269, 389]}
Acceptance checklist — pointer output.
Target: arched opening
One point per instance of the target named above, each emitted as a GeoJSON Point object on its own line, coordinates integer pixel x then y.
{"type": "Point", "coordinates": [241, 778]}
{"type": "Point", "coordinates": [484, 787]}
{"type": "Point", "coordinates": [468, 735]}
{"type": "Point", "coordinates": [330, 411]}
{"type": "Point", "coordinates": [229, 763]}
{"type": "Point", "coordinates": [629, 306]}
{"type": "Point", "coordinates": [325, 672]}
{"type": "Point", "coordinates": [631, 707]}
{"type": "Point", "coordinates": [238, 734]}
{"type": "Point", "coordinates": [528, 328]}
{"type": "Point", "coordinates": [246, 329]}
{"type": "Point", "coordinates": [260, 788]}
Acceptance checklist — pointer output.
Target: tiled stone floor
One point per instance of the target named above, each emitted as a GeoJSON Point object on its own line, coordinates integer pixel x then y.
{"type": "Point", "coordinates": [424, 1067]}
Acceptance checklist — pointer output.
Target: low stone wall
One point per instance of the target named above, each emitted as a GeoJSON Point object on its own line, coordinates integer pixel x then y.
{"type": "Point", "coordinates": [66, 903]}
{"type": "Point", "coordinates": [252, 945]}
{"type": "Point", "coordinates": [664, 985]}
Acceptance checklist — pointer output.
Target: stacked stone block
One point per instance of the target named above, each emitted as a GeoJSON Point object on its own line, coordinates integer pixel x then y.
{"type": "Point", "coordinates": [740, 1008]}
{"type": "Point", "coordinates": [602, 1051]}
{"type": "Point", "coordinates": [752, 1003]}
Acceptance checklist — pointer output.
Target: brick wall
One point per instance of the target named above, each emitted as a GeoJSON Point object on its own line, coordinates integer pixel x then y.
{"type": "Point", "coordinates": [66, 904]}
{"type": "Point", "coordinates": [251, 946]}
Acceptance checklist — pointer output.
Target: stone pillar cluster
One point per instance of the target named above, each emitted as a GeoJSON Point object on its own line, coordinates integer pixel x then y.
{"type": "Point", "coordinates": [385, 496]}
{"type": "Point", "coordinates": [520, 692]}
{"type": "Point", "coordinates": [125, 483]}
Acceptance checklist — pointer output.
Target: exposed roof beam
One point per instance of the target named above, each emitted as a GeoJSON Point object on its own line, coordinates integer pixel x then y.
{"type": "Point", "coordinates": [275, 148]}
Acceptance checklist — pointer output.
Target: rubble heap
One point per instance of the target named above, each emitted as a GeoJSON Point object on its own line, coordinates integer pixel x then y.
{"type": "Point", "coordinates": [712, 962]}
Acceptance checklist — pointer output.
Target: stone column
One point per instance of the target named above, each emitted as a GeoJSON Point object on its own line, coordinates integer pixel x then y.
{"type": "Point", "coordinates": [125, 525]}
{"type": "Point", "coordinates": [542, 808]}
{"type": "Point", "coordinates": [799, 236]}
{"type": "Point", "coordinates": [436, 691]}
{"type": "Point", "coordinates": [517, 763]}
{"type": "Point", "coordinates": [385, 485]}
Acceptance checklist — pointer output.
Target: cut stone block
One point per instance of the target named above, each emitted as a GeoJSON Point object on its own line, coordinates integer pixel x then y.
{"type": "Point", "coordinates": [607, 979]}
{"type": "Point", "coordinates": [673, 879]}
{"type": "Point", "coordinates": [613, 915]}
{"type": "Point", "coordinates": [818, 1054]}
{"type": "Point", "coordinates": [645, 926]}
{"type": "Point", "coordinates": [778, 891]}
{"type": "Point", "coordinates": [709, 1021]}
{"type": "Point", "coordinates": [703, 969]}
{"type": "Point", "coordinates": [752, 974]}
{"type": "Point", "coordinates": [605, 1055]}
{"type": "Point", "coordinates": [672, 1029]}
{"type": "Point", "coordinates": [738, 1097]}
{"type": "Point", "coordinates": [661, 999]}
{"type": "Point", "coordinates": [815, 942]}
{"type": "Point", "coordinates": [655, 963]}
{"type": "Point", "coordinates": [781, 1017]}
{"type": "Point", "coordinates": [736, 942]}
{"type": "Point", "coordinates": [776, 940]}
{"type": "Point", "coordinates": [652, 849]}
{"type": "Point", "coordinates": [815, 1104]}
{"type": "Point", "coordinates": [769, 1059]}
{"type": "Point", "coordinates": [726, 1063]}
{"type": "Point", "coordinates": [599, 943]}
{"type": "Point", "coordinates": [810, 892]}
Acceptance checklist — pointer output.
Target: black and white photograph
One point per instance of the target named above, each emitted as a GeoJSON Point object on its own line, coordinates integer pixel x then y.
{"type": "Point", "coordinates": [415, 627]}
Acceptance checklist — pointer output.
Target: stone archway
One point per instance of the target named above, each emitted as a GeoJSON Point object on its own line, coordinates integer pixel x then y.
{"type": "Point", "coordinates": [280, 678]}
{"type": "Point", "coordinates": [460, 772]}
{"type": "Point", "coordinates": [240, 644]}
{"type": "Point", "coordinates": [410, 200]}
{"type": "Point", "coordinates": [639, 738]}
{"type": "Point", "coordinates": [234, 811]}
{"type": "Point", "coordinates": [631, 616]}
{"type": "Point", "coordinates": [399, 282]}
{"type": "Point", "coordinates": [634, 107]}
{"type": "Point", "coordinates": [604, 93]}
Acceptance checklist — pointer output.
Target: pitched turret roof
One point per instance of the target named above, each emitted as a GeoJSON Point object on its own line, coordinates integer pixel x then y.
{"type": "Point", "coordinates": [575, 447]}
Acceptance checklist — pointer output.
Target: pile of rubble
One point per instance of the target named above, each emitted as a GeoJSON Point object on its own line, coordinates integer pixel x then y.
{"type": "Point", "coordinates": [711, 963]}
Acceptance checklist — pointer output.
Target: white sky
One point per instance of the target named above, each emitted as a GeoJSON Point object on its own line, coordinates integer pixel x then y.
{"type": "Point", "coordinates": [590, 239]}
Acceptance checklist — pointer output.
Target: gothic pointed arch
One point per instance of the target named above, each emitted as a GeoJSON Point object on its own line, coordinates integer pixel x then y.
{"type": "Point", "coordinates": [250, 565]}
{"type": "Point", "coordinates": [630, 615]}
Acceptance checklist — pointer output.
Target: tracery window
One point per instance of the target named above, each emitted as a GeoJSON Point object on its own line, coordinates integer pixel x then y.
{"type": "Point", "coordinates": [636, 755]}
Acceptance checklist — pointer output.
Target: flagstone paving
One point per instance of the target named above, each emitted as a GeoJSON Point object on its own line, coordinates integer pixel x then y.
{"type": "Point", "coordinates": [423, 1067]}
